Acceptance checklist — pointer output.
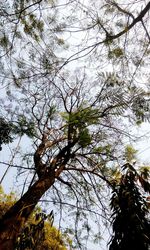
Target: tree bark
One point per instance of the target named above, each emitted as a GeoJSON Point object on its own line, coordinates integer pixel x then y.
{"type": "Point", "coordinates": [12, 222]}
{"type": "Point", "coordinates": [15, 218]}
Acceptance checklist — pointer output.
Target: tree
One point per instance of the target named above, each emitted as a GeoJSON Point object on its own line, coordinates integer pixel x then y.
{"type": "Point", "coordinates": [75, 119]}
{"type": "Point", "coordinates": [38, 232]}
{"type": "Point", "coordinates": [131, 227]}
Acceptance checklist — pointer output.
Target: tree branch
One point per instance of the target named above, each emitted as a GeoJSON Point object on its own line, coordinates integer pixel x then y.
{"type": "Point", "coordinates": [91, 172]}
{"type": "Point", "coordinates": [135, 21]}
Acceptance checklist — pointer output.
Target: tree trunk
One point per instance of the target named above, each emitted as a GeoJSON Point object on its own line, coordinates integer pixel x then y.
{"type": "Point", "coordinates": [12, 222]}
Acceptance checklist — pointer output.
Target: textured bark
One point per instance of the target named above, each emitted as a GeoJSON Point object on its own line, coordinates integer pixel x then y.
{"type": "Point", "coordinates": [12, 222]}
{"type": "Point", "coordinates": [17, 215]}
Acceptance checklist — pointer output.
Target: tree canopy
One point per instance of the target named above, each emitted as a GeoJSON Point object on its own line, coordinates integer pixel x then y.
{"type": "Point", "coordinates": [74, 80]}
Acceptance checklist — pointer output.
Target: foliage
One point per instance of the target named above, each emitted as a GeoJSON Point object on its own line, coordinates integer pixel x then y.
{"type": "Point", "coordinates": [38, 232]}
{"type": "Point", "coordinates": [131, 226]}
{"type": "Point", "coordinates": [6, 201]}
{"type": "Point", "coordinates": [5, 129]}
{"type": "Point", "coordinates": [23, 127]}
{"type": "Point", "coordinates": [130, 153]}
{"type": "Point", "coordinates": [78, 123]}
{"type": "Point", "coordinates": [9, 129]}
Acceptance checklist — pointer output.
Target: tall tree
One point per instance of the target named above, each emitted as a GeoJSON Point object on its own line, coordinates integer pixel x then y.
{"type": "Point", "coordinates": [72, 110]}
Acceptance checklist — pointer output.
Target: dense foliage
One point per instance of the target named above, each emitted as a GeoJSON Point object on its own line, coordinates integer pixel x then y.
{"type": "Point", "coordinates": [131, 226]}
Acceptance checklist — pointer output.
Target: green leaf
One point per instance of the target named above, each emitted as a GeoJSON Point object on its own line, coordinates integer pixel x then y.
{"type": "Point", "coordinates": [117, 53]}
{"type": "Point", "coordinates": [4, 41]}
{"type": "Point", "coordinates": [130, 153]}
{"type": "Point", "coordinates": [84, 138]}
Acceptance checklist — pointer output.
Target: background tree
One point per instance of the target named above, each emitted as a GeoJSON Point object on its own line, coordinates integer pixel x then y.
{"type": "Point", "coordinates": [131, 226]}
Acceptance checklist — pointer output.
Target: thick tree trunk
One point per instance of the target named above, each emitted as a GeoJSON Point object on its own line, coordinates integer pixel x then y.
{"type": "Point", "coordinates": [17, 215]}
{"type": "Point", "coordinates": [12, 222]}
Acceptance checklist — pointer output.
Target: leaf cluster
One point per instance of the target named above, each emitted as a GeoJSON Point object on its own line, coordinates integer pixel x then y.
{"type": "Point", "coordinates": [9, 129]}
{"type": "Point", "coordinates": [23, 126]}
{"type": "Point", "coordinates": [5, 132]}
{"type": "Point", "coordinates": [131, 227]}
{"type": "Point", "coordinates": [140, 107]}
{"type": "Point", "coordinates": [78, 123]}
